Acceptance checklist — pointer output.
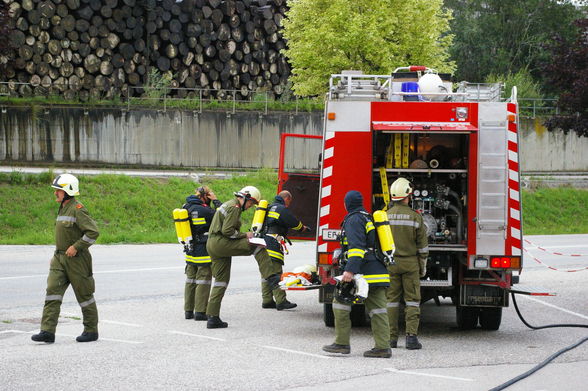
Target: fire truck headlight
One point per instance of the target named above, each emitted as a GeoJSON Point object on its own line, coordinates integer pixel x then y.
{"type": "Point", "coordinates": [461, 113]}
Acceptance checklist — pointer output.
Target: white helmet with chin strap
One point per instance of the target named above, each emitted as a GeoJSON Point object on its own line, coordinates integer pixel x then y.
{"type": "Point", "coordinates": [400, 189]}
{"type": "Point", "coordinates": [67, 183]}
{"type": "Point", "coordinates": [249, 193]}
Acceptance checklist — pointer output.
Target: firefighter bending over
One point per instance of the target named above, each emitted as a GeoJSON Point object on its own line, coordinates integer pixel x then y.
{"type": "Point", "coordinates": [225, 241]}
{"type": "Point", "coordinates": [359, 242]}
{"type": "Point", "coordinates": [410, 255]}
{"type": "Point", "coordinates": [278, 221]}
{"type": "Point", "coordinates": [198, 272]}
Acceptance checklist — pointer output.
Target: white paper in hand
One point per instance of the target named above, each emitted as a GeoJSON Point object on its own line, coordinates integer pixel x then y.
{"type": "Point", "coordinates": [259, 242]}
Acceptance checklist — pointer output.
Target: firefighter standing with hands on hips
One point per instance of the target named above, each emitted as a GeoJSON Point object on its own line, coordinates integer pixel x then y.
{"type": "Point", "coordinates": [198, 272]}
{"type": "Point", "coordinates": [225, 241]}
{"type": "Point", "coordinates": [410, 255]}
{"type": "Point", "coordinates": [75, 232]}
{"type": "Point", "coordinates": [278, 221]}
{"type": "Point", "coordinates": [359, 241]}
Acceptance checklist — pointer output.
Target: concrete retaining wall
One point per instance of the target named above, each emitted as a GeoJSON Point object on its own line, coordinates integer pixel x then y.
{"type": "Point", "coordinates": [213, 139]}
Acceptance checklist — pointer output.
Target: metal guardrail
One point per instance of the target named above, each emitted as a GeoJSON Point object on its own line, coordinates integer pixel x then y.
{"type": "Point", "coordinates": [165, 98]}
{"type": "Point", "coordinates": [532, 107]}
{"type": "Point", "coordinates": [195, 99]}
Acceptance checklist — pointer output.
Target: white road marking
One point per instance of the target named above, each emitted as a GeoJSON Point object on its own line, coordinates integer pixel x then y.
{"type": "Point", "coordinates": [101, 272]}
{"type": "Point", "coordinates": [554, 306]}
{"type": "Point", "coordinates": [295, 352]}
{"type": "Point", "coordinates": [572, 246]}
{"type": "Point", "coordinates": [195, 335]}
{"type": "Point", "coordinates": [120, 323]}
{"type": "Point", "coordinates": [428, 374]}
{"type": "Point", "coordinates": [73, 336]}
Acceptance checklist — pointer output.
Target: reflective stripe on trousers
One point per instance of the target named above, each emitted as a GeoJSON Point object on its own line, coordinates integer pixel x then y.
{"type": "Point", "coordinates": [377, 311]}
{"type": "Point", "coordinates": [87, 303]}
{"type": "Point", "coordinates": [343, 307]}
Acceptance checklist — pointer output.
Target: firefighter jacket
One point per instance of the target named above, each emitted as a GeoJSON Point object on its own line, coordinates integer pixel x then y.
{"type": "Point", "coordinates": [227, 221]}
{"type": "Point", "coordinates": [200, 218]}
{"type": "Point", "coordinates": [278, 221]}
{"type": "Point", "coordinates": [409, 232]}
{"type": "Point", "coordinates": [74, 227]}
{"type": "Point", "coordinates": [359, 241]}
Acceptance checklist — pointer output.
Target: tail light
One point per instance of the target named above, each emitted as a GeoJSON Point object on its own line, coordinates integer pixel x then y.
{"type": "Point", "coordinates": [496, 262]}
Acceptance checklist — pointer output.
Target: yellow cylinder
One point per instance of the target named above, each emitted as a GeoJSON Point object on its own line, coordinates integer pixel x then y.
{"type": "Point", "coordinates": [182, 223]}
{"type": "Point", "coordinates": [259, 216]}
{"type": "Point", "coordinates": [384, 231]}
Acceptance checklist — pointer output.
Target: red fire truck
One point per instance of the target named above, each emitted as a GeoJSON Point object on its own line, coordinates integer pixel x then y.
{"type": "Point", "coordinates": [459, 149]}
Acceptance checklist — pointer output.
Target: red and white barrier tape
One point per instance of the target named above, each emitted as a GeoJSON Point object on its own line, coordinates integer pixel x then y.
{"type": "Point", "coordinates": [553, 268]}
{"type": "Point", "coordinates": [555, 253]}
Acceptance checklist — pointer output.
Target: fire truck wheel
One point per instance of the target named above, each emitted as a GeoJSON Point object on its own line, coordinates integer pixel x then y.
{"type": "Point", "coordinates": [490, 318]}
{"type": "Point", "coordinates": [328, 315]}
{"type": "Point", "coordinates": [467, 317]}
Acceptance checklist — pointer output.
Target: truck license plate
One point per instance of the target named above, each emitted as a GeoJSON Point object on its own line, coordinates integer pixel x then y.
{"type": "Point", "coordinates": [331, 234]}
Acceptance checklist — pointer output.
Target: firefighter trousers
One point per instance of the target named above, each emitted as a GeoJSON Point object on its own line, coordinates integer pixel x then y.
{"type": "Point", "coordinates": [197, 290]}
{"type": "Point", "coordinates": [221, 250]}
{"type": "Point", "coordinates": [76, 271]}
{"type": "Point", "coordinates": [375, 305]}
{"type": "Point", "coordinates": [404, 284]}
{"type": "Point", "coordinates": [267, 267]}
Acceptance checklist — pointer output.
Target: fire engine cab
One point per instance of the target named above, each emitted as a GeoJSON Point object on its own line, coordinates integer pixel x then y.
{"type": "Point", "coordinates": [459, 149]}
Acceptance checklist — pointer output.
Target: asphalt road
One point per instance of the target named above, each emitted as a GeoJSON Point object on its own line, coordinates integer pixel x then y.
{"type": "Point", "coordinates": [146, 344]}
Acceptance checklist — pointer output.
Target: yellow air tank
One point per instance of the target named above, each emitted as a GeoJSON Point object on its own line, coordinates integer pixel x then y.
{"type": "Point", "coordinates": [259, 217]}
{"type": "Point", "coordinates": [384, 231]}
{"type": "Point", "coordinates": [182, 223]}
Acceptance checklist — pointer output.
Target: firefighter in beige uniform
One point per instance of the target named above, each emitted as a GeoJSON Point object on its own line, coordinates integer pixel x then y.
{"type": "Point", "coordinates": [75, 232]}
{"type": "Point", "coordinates": [410, 255]}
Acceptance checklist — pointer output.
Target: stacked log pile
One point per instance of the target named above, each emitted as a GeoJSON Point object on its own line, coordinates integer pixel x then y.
{"type": "Point", "coordinates": [107, 48]}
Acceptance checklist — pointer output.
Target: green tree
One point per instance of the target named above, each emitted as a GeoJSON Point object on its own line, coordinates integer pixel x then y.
{"type": "Point", "coordinates": [567, 72]}
{"type": "Point", "coordinates": [375, 36]}
{"type": "Point", "coordinates": [527, 87]}
{"type": "Point", "coordinates": [502, 37]}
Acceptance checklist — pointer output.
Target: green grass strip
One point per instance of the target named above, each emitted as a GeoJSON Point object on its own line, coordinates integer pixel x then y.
{"type": "Point", "coordinates": [139, 210]}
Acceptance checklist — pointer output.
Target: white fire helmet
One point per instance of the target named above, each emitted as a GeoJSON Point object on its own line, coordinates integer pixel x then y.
{"type": "Point", "coordinates": [67, 183]}
{"type": "Point", "coordinates": [249, 193]}
{"type": "Point", "coordinates": [400, 189]}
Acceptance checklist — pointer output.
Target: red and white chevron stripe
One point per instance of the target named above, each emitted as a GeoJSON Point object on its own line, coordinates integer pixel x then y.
{"type": "Point", "coordinates": [326, 189]}
{"type": "Point", "coordinates": [514, 228]}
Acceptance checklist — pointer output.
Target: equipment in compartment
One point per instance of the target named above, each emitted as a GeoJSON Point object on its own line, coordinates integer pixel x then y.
{"type": "Point", "coordinates": [436, 165]}
{"type": "Point", "coordinates": [439, 200]}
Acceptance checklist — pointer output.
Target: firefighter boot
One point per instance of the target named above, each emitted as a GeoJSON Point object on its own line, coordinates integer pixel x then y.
{"type": "Point", "coordinates": [43, 336]}
{"type": "Point", "coordinates": [200, 316]}
{"type": "Point", "coordinates": [215, 322]}
{"type": "Point", "coordinates": [336, 348]}
{"type": "Point", "coordinates": [393, 343]}
{"type": "Point", "coordinates": [412, 342]}
{"type": "Point", "coordinates": [189, 314]}
{"type": "Point", "coordinates": [271, 304]}
{"type": "Point", "coordinates": [378, 353]}
{"type": "Point", "coordinates": [87, 337]}
{"type": "Point", "coordinates": [285, 305]}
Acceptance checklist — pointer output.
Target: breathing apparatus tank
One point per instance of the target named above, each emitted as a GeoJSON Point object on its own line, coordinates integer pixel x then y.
{"type": "Point", "coordinates": [259, 217]}
{"type": "Point", "coordinates": [384, 234]}
{"type": "Point", "coordinates": [182, 223]}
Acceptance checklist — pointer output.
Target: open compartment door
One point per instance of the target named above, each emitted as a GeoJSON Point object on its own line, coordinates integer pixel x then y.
{"type": "Point", "coordinates": [299, 173]}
